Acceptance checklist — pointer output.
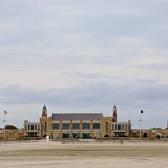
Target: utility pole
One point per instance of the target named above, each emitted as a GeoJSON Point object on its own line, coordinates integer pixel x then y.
{"type": "Point", "coordinates": [4, 121]}
{"type": "Point", "coordinates": [140, 124]}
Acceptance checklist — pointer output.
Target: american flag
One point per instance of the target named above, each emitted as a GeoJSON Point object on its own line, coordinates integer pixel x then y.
{"type": "Point", "coordinates": [5, 112]}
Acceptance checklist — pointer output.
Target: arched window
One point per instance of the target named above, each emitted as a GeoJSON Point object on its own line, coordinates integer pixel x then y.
{"type": "Point", "coordinates": [119, 127]}
{"type": "Point", "coordinates": [45, 126]}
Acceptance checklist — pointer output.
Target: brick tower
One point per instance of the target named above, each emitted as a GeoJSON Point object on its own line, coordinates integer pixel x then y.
{"type": "Point", "coordinates": [44, 122]}
{"type": "Point", "coordinates": [114, 114]}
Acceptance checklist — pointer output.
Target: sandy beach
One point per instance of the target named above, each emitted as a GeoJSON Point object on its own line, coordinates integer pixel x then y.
{"type": "Point", "coordinates": [54, 154]}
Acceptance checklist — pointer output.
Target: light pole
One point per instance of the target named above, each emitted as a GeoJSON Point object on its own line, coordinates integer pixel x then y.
{"type": "Point", "coordinates": [140, 124]}
{"type": "Point", "coordinates": [4, 121]}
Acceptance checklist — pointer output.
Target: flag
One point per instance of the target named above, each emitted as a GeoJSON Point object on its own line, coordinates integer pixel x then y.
{"type": "Point", "coordinates": [141, 111]}
{"type": "Point", "coordinates": [5, 112]}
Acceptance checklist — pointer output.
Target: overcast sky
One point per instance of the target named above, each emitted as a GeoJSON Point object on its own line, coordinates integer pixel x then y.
{"type": "Point", "coordinates": [84, 56]}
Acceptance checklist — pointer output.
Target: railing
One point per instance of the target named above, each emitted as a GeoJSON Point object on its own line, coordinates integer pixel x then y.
{"type": "Point", "coordinates": [119, 141]}
{"type": "Point", "coordinates": [120, 131]}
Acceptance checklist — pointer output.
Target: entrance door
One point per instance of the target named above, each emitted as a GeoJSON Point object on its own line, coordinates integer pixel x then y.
{"type": "Point", "coordinates": [86, 135]}
{"type": "Point", "coordinates": [106, 136]}
{"type": "Point", "coordinates": [145, 135]}
{"type": "Point", "coordinates": [76, 135]}
{"type": "Point", "coordinates": [65, 135]}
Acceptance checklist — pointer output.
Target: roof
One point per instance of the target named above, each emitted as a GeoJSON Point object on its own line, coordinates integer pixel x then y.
{"type": "Point", "coordinates": [77, 116]}
{"type": "Point", "coordinates": [44, 107]}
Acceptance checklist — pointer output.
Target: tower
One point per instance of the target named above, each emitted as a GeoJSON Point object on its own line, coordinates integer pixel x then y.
{"type": "Point", "coordinates": [44, 111]}
{"type": "Point", "coordinates": [44, 122]}
{"type": "Point", "coordinates": [114, 114]}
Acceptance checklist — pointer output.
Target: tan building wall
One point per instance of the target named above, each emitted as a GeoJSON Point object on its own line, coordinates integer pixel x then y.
{"type": "Point", "coordinates": [158, 133]}
{"type": "Point", "coordinates": [135, 133]}
{"type": "Point", "coordinates": [49, 126]}
{"type": "Point", "coordinates": [79, 132]}
{"type": "Point", "coordinates": [105, 130]}
{"type": "Point", "coordinates": [43, 126]}
{"type": "Point", "coordinates": [11, 135]}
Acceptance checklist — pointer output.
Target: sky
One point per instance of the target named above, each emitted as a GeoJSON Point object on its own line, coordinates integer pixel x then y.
{"type": "Point", "coordinates": [84, 56]}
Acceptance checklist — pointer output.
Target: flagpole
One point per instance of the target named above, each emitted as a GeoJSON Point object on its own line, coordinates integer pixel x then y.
{"type": "Point", "coordinates": [140, 125]}
{"type": "Point", "coordinates": [4, 121]}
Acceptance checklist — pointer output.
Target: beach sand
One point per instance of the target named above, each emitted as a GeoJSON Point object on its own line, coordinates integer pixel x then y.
{"type": "Point", "coordinates": [56, 155]}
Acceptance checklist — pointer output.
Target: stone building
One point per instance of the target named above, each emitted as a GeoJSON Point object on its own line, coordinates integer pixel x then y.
{"type": "Point", "coordinates": [32, 129]}
{"type": "Point", "coordinates": [11, 134]}
{"type": "Point", "coordinates": [82, 125]}
{"type": "Point", "coordinates": [135, 133]}
{"type": "Point", "coordinates": [157, 133]}
{"type": "Point", "coordinates": [121, 129]}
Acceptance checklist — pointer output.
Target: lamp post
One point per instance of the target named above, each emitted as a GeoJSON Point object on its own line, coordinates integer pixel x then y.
{"type": "Point", "coordinates": [140, 124]}
{"type": "Point", "coordinates": [4, 121]}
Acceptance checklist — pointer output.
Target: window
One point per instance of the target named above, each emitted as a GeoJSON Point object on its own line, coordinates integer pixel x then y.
{"type": "Point", "coordinates": [32, 127]}
{"type": "Point", "coordinates": [76, 135]}
{"type": "Point", "coordinates": [55, 126]}
{"type": "Point", "coordinates": [76, 126]}
{"type": "Point", "coordinates": [85, 135]}
{"type": "Point", "coordinates": [35, 127]}
{"type": "Point", "coordinates": [65, 126]}
{"type": "Point", "coordinates": [119, 127]}
{"type": "Point", "coordinates": [86, 126]}
{"type": "Point", "coordinates": [96, 125]}
{"type": "Point", "coordinates": [115, 127]}
{"type": "Point", "coordinates": [65, 135]}
{"type": "Point", "coordinates": [45, 126]}
{"type": "Point", "coordinates": [25, 127]}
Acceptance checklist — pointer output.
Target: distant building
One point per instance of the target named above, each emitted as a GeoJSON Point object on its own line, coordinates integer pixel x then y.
{"type": "Point", "coordinates": [11, 133]}
{"type": "Point", "coordinates": [158, 133]}
{"type": "Point", "coordinates": [121, 129]}
{"type": "Point", "coordinates": [77, 125]}
{"type": "Point", "coordinates": [135, 133]}
{"type": "Point", "coordinates": [32, 129]}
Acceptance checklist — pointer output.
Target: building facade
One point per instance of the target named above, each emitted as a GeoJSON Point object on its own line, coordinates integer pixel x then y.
{"type": "Point", "coordinates": [78, 125]}
{"type": "Point", "coordinates": [11, 134]}
{"type": "Point", "coordinates": [32, 129]}
{"type": "Point", "coordinates": [82, 125]}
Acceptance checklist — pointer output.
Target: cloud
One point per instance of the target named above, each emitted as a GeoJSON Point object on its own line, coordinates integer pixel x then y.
{"type": "Point", "coordinates": [93, 98]}
{"type": "Point", "coordinates": [87, 57]}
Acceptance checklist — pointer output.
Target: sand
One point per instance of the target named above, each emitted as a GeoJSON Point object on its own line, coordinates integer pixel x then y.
{"type": "Point", "coordinates": [95, 155]}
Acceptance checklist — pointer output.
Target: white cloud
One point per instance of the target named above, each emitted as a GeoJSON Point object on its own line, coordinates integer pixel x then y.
{"type": "Point", "coordinates": [77, 47]}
